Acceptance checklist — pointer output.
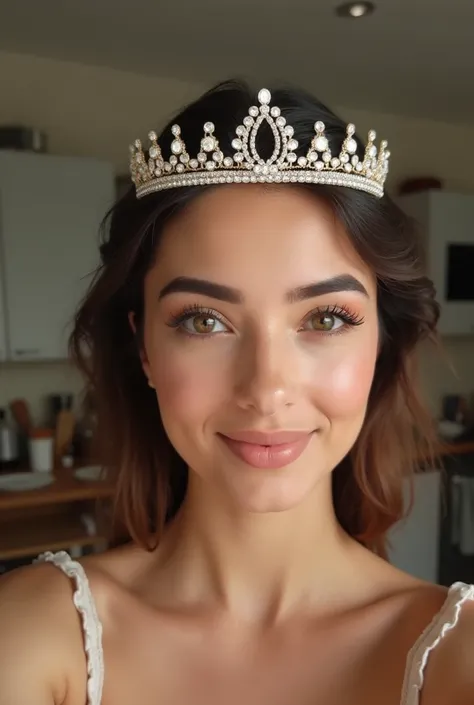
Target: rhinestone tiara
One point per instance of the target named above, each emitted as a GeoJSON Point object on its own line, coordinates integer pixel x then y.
{"type": "Point", "coordinates": [152, 173]}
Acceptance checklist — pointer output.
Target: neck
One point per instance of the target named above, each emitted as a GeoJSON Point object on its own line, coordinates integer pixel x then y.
{"type": "Point", "coordinates": [259, 566]}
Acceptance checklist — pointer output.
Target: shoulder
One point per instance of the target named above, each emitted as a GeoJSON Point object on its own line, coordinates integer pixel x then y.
{"type": "Point", "coordinates": [40, 636]}
{"type": "Point", "coordinates": [449, 675]}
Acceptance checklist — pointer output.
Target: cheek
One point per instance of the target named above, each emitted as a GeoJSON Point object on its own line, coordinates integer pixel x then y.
{"type": "Point", "coordinates": [189, 383]}
{"type": "Point", "coordinates": [346, 384]}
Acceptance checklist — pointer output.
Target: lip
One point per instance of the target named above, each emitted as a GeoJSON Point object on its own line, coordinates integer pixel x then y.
{"type": "Point", "coordinates": [270, 450]}
{"type": "Point", "coordinates": [267, 438]}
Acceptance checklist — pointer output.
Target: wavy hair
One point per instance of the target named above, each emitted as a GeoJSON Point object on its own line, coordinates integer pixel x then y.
{"type": "Point", "coordinates": [397, 431]}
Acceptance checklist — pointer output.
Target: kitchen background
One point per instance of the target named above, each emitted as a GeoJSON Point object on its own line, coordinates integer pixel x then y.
{"type": "Point", "coordinates": [90, 79]}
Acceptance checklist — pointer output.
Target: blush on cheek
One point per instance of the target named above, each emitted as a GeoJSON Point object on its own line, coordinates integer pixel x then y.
{"type": "Point", "coordinates": [186, 391]}
{"type": "Point", "coordinates": [346, 386]}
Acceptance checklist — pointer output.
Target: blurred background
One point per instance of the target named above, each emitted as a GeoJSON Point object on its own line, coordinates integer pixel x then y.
{"type": "Point", "coordinates": [80, 81]}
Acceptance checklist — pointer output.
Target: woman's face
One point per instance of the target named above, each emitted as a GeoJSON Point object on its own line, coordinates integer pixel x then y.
{"type": "Point", "coordinates": [261, 340]}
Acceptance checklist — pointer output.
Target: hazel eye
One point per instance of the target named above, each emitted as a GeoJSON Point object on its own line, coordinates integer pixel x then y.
{"type": "Point", "coordinates": [325, 322]}
{"type": "Point", "coordinates": [203, 324]}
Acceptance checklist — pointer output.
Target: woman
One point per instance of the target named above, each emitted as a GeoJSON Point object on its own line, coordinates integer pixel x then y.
{"type": "Point", "coordinates": [249, 341]}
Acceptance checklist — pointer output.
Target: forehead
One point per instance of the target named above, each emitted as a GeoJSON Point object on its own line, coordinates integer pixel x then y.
{"type": "Point", "coordinates": [246, 234]}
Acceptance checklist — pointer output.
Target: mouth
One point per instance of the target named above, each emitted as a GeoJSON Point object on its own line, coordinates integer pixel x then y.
{"type": "Point", "coordinates": [270, 450]}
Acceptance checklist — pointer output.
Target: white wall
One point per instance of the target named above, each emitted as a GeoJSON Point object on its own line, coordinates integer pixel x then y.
{"type": "Point", "coordinates": [85, 110]}
{"type": "Point", "coordinates": [97, 112]}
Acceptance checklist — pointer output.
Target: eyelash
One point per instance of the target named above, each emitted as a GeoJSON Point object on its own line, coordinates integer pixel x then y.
{"type": "Point", "coordinates": [349, 318]}
{"type": "Point", "coordinates": [189, 312]}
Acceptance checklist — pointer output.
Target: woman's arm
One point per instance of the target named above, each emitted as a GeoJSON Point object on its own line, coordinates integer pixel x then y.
{"type": "Point", "coordinates": [449, 677]}
{"type": "Point", "coordinates": [40, 639]}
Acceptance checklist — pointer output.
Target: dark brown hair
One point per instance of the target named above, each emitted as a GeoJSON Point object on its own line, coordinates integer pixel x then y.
{"type": "Point", "coordinates": [397, 432]}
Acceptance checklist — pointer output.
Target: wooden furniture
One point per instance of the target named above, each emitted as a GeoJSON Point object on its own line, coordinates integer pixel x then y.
{"type": "Point", "coordinates": [447, 449]}
{"type": "Point", "coordinates": [52, 518]}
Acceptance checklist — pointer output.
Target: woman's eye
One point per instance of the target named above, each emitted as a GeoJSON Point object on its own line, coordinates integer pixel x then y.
{"type": "Point", "coordinates": [325, 322]}
{"type": "Point", "coordinates": [203, 324]}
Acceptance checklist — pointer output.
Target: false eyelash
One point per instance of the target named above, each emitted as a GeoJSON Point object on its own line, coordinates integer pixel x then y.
{"type": "Point", "coordinates": [342, 312]}
{"type": "Point", "coordinates": [349, 317]}
{"type": "Point", "coordinates": [194, 310]}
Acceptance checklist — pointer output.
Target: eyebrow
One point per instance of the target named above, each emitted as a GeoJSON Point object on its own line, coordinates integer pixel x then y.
{"type": "Point", "coordinates": [343, 282]}
{"type": "Point", "coordinates": [222, 292]}
{"type": "Point", "coordinates": [202, 286]}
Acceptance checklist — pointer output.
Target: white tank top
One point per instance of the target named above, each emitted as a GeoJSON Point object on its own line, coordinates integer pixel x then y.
{"type": "Point", "coordinates": [445, 620]}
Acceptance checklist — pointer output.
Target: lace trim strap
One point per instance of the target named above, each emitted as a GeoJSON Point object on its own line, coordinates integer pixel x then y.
{"type": "Point", "coordinates": [445, 620]}
{"type": "Point", "coordinates": [92, 628]}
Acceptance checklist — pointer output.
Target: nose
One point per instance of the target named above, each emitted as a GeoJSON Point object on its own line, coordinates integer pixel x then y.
{"type": "Point", "coordinates": [266, 377]}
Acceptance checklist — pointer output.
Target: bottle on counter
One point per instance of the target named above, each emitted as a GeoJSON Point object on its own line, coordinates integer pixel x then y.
{"type": "Point", "coordinates": [41, 449]}
{"type": "Point", "coordinates": [9, 455]}
{"type": "Point", "coordinates": [58, 403]}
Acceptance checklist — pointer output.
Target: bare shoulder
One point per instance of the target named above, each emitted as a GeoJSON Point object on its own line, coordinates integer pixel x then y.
{"type": "Point", "coordinates": [120, 568]}
{"type": "Point", "coordinates": [449, 676]}
{"type": "Point", "coordinates": [40, 637]}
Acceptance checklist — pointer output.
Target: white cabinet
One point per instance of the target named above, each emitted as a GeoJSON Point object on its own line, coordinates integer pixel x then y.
{"type": "Point", "coordinates": [51, 208]}
{"type": "Point", "coordinates": [3, 313]}
{"type": "Point", "coordinates": [414, 541]}
{"type": "Point", "coordinates": [447, 221]}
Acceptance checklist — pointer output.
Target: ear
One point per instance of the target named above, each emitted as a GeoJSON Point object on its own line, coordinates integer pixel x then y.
{"type": "Point", "coordinates": [143, 356]}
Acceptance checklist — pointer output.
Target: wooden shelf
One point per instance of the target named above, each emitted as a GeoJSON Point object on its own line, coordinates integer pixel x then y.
{"type": "Point", "coordinates": [64, 489]}
{"type": "Point", "coordinates": [456, 448]}
{"type": "Point", "coordinates": [30, 536]}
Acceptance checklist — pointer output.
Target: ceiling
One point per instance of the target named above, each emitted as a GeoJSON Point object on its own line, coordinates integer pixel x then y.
{"type": "Point", "coordinates": [411, 57]}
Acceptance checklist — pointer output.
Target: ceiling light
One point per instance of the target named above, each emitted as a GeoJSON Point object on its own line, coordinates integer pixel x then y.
{"type": "Point", "coordinates": [356, 10]}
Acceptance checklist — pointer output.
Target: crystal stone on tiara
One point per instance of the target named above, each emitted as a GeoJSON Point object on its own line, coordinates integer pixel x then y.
{"type": "Point", "coordinates": [319, 165]}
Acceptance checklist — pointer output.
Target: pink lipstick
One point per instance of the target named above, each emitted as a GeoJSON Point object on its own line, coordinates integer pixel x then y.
{"type": "Point", "coordinates": [270, 450]}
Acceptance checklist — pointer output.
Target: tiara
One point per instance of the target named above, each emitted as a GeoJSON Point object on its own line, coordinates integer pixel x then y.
{"type": "Point", "coordinates": [152, 173]}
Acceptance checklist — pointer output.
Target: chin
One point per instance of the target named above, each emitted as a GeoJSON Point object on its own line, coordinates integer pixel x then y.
{"type": "Point", "coordinates": [271, 495]}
